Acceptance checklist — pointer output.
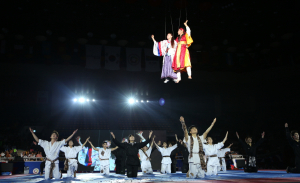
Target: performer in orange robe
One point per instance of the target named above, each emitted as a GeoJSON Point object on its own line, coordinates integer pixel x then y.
{"type": "Point", "coordinates": [182, 61]}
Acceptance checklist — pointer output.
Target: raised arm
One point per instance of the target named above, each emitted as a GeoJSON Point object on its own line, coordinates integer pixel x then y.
{"type": "Point", "coordinates": [261, 140]}
{"type": "Point", "coordinates": [34, 136]}
{"type": "Point", "coordinates": [230, 145]}
{"type": "Point", "coordinates": [115, 148]}
{"type": "Point", "coordinates": [152, 141]}
{"type": "Point", "coordinates": [185, 132]}
{"type": "Point", "coordinates": [71, 136]}
{"type": "Point", "coordinates": [288, 134]}
{"type": "Point", "coordinates": [156, 146]}
{"type": "Point", "coordinates": [188, 30]}
{"type": "Point", "coordinates": [96, 149]}
{"type": "Point", "coordinates": [209, 128]}
{"type": "Point", "coordinates": [241, 141]}
{"type": "Point", "coordinates": [119, 144]}
{"type": "Point", "coordinates": [225, 138]}
{"type": "Point", "coordinates": [176, 138]}
{"type": "Point", "coordinates": [152, 36]}
{"type": "Point", "coordinates": [85, 142]}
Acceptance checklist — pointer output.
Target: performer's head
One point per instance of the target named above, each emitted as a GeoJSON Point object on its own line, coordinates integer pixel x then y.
{"type": "Point", "coordinates": [193, 130]}
{"type": "Point", "coordinates": [181, 31]}
{"type": "Point", "coordinates": [295, 135]}
{"type": "Point", "coordinates": [165, 145]}
{"type": "Point", "coordinates": [145, 148]}
{"type": "Point", "coordinates": [171, 38]}
{"type": "Point", "coordinates": [209, 140]}
{"type": "Point", "coordinates": [70, 143]}
{"type": "Point", "coordinates": [170, 145]}
{"type": "Point", "coordinates": [54, 135]}
{"type": "Point", "coordinates": [248, 139]}
{"type": "Point", "coordinates": [104, 144]}
{"type": "Point", "coordinates": [131, 138]}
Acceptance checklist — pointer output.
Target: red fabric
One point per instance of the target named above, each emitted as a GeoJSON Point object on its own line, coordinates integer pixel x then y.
{"type": "Point", "coordinates": [159, 49]}
{"type": "Point", "coordinates": [90, 157]}
{"type": "Point", "coordinates": [182, 55]}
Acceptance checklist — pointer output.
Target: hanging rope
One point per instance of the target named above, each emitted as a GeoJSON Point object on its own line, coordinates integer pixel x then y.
{"type": "Point", "coordinates": [171, 20]}
{"type": "Point", "coordinates": [185, 10]}
{"type": "Point", "coordinates": [179, 19]}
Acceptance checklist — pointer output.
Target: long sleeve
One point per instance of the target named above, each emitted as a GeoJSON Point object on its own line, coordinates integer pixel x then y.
{"type": "Point", "coordinates": [142, 144]}
{"type": "Point", "coordinates": [119, 144]}
{"type": "Point", "coordinates": [243, 143]}
{"type": "Point", "coordinates": [219, 145]}
{"type": "Point", "coordinates": [288, 136]}
{"type": "Point", "coordinates": [261, 140]}
{"type": "Point", "coordinates": [173, 147]}
{"type": "Point", "coordinates": [188, 30]}
{"type": "Point", "coordinates": [63, 149]}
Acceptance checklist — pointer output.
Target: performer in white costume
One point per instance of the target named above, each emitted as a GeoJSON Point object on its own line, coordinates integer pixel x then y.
{"type": "Point", "coordinates": [221, 155]}
{"type": "Point", "coordinates": [71, 152]}
{"type": "Point", "coordinates": [104, 155]}
{"type": "Point", "coordinates": [194, 144]}
{"type": "Point", "coordinates": [145, 154]}
{"type": "Point", "coordinates": [51, 150]}
{"type": "Point", "coordinates": [166, 160]}
{"type": "Point", "coordinates": [211, 151]}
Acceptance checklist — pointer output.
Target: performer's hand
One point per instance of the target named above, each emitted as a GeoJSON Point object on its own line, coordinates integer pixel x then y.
{"type": "Point", "coordinates": [237, 135]}
{"type": "Point", "coordinates": [230, 145]}
{"type": "Point", "coordinates": [181, 119]}
{"type": "Point", "coordinates": [112, 134]}
{"type": "Point", "coordinates": [263, 135]}
{"type": "Point", "coordinates": [87, 139]}
{"type": "Point", "coordinates": [152, 36]}
{"type": "Point", "coordinates": [75, 131]}
{"type": "Point", "coordinates": [185, 23]}
{"type": "Point", "coordinates": [30, 130]}
{"type": "Point", "coordinates": [176, 137]}
{"type": "Point", "coordinates": [286, 125]}
{"type": "Point", "coordinates": [153, 137]}
{"type": "Point", "coordinates": [150, 134]}
{"type": "Point", "coordinates": [214, 121]}
{"type": "Point", "coordinates": [34, 142]}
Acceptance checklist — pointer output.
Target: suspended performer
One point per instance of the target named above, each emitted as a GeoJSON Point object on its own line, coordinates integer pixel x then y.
{"type": "Point", "coordinates": [166, 48]}
{"type": "Point", "coordinates": [250, 150]}
{"type": "Point", "coordinates": [182, 61]}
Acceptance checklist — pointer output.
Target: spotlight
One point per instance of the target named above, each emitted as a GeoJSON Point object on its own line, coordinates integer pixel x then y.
{"type": "Point", "coordinates": [33, 130]}
{"type": "Point", "coordinates": [142, 101]}
{"type": "Point", "coordinates": [147, 101]}
{"type": "Point", "coordinates": [87, 100]}
{"type": "Point", "coordinates": [81, 100]}
{"type": "Point", "coordinates": [75, 99]}
{"type": "Point", "coordinates": [94, 100]}
{"type": "Point", "coordinates": [136, 101]}
{"type": "Point", "coordinates": [131, 101]}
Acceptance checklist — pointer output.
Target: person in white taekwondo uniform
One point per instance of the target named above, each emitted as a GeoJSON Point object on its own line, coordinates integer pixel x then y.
{"type": "Point", "coordinates": [221, 155]}
{"type": "Point", "coordinates": [104, 155]}
{"type": "Point", "coordinates": [71, 152]}
{"type": "Point", "coordinates": [52, 149]}
{"type": "Point", "coordinates": [145, 154]}
{"type": "Point", "coordinates": [166, 160]}
{"type": "Point", "coordinates": [211, 151]}
{"type": "Point", "coordinates": [194, 144]}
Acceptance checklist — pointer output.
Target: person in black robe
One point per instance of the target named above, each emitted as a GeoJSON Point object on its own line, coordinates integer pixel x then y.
{"type": "Point", "coordinates": [293, 140]}
{"type": "Point", "coordinates": [173, 159]}
{"type": "Point", "coordinates": [120, 159]}
{"type": "Point", "coordinates": [132, 150]}
{"type": "Point", "coordinates": [185, 155]}
{"type": "Point", "coordinates": [250, 150]}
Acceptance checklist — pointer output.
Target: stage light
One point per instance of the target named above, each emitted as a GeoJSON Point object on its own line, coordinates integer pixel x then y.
{"type": "Point", "coordinates": [147, 101]}
{"type": "Point", "coordinates": [94, 100]}
{"type": "Point", "coordinates": [161, 101]}
{"type": "Point", "coordinates": [81, 100]}
{"type": "Point", "coordinates": [33, 130]}
{"type": "Point", "coordinates": [131, 101]}
{"type": "Point", "coordinates": [142, 101]}
{"type": "Point", "coordinates": [75, 99]}
{"type": "Point", "coordinates": [87, 100]}
{"type": "Point", "coordinates": [136, 101]}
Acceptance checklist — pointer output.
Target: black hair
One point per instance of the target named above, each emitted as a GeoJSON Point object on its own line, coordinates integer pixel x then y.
{"type": "Point", "coordinates": [130, 136]}
{"type": "Point", "coordinates": [172, 40]}
{"type": "Point", "coordinates": [189, 130]}
{"type": "Point", "coordinates": [248, 138]}
{"type": "Point", "coordinates": [293, 132]}
{"type": "Point", "coordinates": [104, 142]}
{"type": "Point", "coordinates": [55, 133]}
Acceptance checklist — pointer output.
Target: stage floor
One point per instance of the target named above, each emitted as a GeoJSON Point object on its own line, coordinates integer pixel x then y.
{"type": "Point", "coordinates": [229, 176]}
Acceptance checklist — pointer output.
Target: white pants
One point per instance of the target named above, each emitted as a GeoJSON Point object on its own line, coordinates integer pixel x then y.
{"type": "Point", "coordinates": [72, 169]}
{"type": "Point", "coordinates": [223, 167]}
{"type": "Point", "coordinates": [211, 170]}
{"type": "Point", "coordinates": [104, 169]}
{"type": "Point", "coordinates": [196, 171]}
{"type": "Point", "coordinates": [189, 72]}
{"type": "Point", "coordinates": [56, 174]}
{"type": "Point", "coordinates": [165, 168]}
{"type": "Point", "coordinates": [147, 170]}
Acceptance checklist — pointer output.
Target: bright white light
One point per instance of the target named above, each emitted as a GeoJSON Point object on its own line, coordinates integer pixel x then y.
{"type": "Point", "coordinates": [33, 130]}
{"type": "Point", "coordinates": [75, 99]}
{"type": "Point", "coordinates": [147, 101]}
{"type": "Point", "coordinates": [131, 101]}
{"type": "Point", "coordinates": [81, 100]}
{"type": "Point", "coordinates": [142, 101]}
{"type": "Point", "coordinates": [136, 101]}
{"type": "Point", "coordinates": [94, 100]}
{"type": "Point", "coordinates": [87, 100]}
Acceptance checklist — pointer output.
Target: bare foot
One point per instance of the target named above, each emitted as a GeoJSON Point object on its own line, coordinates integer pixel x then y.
{"type": "Point", "coordinates": [190, 77]}
{"type": "Point", "coordinates": [177, 81]}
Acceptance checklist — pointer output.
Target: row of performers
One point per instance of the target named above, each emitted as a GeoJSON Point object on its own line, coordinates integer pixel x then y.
{"type": "Point", "coordinates": [200, 154]}
{"type": "Point", "coordinates": [176, 56]}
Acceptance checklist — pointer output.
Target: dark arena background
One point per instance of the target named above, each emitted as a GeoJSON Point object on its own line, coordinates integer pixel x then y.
{"type": "Point", "coordinates": [89, 65]}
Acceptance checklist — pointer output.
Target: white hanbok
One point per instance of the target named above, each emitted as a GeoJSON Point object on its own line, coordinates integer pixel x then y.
{"type": "Point", "coordinates": [195, 170]}
{"type": "Point", "coordinates": [213, 162]}
{"type": "Point", "coordinates": [166, 161]}
{"type": "Point", "coordinates": [52, 153]}
{"type": "Point", "coordinates": [71, 153]}
{"type": "Point", "coordinates": [221, 155]}
{"type": "Point", "coordinates": [145, 162]}
{"type": "Point", "coordinates": [104, 155]}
